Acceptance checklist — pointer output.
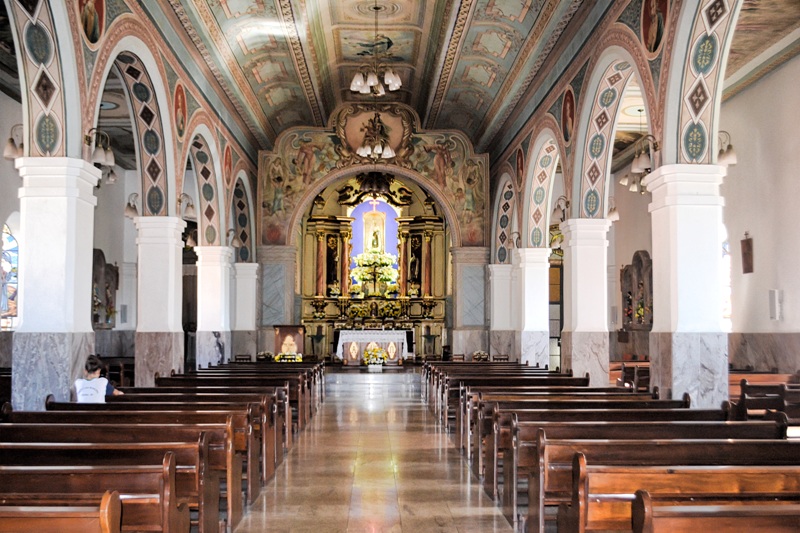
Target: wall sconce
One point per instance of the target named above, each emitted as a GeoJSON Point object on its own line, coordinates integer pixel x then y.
{"type": "Point", "coordinates": [101, 155]}
{"type": "Point", "coordinates": [189, 212]}
{"type": "Point", "coordinates": [726, 156]}
{"type": "Point", "coordinates": [613, 214]}
{"type": "Point", "coordinates": [131, 211]}
{"type": "Point", "coordinates": [14, 146]}
{"type": "Point", "coordinates": [515, 239]}
{"type": "Point", "coordinates": [560, 210]}
{"type": "Point", "coordinates": [233, 240]}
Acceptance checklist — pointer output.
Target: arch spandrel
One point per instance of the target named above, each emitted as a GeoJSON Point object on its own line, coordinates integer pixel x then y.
{"type": "Point", "coordinates": [210, 214]}
{"type": "Point", "coordinates": [545, 156]}
{"type": "Point", "coordinates": [441, 162]}
{"type": "Point", "coordinates": [504, 224]}
{"type": "Point", "coordinates": [243, 223]}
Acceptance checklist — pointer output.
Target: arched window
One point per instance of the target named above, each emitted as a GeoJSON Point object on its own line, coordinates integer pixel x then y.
{"type": "Point", "coordinates": [8, 278]}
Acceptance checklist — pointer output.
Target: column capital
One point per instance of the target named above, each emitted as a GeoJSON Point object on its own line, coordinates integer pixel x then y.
{"type": "Point", "coordinates": [470, 254]}
{"type": "Point", "coordinates": [531, 256]}
{"type": "Point", "coordinates": [276, 253]}
{"type": "Point", "coordinates": [696, 185]}
{"type": "Point", "coordinates": [246, 270]}
{"type": "Point", "coordinates": [214, 254]}
{"type": "Point", "coordinates": [57, 177]}
{"type": "Point", "coordinates": [155, 230]}
{"type": "Point", "coordinates": [499, 272]}
{"type": "Point", "coordinates": [588, 231]}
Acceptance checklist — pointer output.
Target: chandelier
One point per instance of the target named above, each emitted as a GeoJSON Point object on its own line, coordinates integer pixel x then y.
{"type": "Point", "coordinates": [642, 163]}
{"type": "Point", "coordinates": [376, 140]}
{"type": "Point", "coordinates": [368, 78]}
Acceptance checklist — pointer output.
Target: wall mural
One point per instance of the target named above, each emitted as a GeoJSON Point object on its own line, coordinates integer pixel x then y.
{"type": "Point", "coordinates": [303, 157]}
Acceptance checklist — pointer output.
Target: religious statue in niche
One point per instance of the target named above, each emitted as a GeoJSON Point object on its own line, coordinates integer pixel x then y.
{"type": "Point", "coordinates": [636, 282]}
{"type": "Point", "coordinates": [105, 282]}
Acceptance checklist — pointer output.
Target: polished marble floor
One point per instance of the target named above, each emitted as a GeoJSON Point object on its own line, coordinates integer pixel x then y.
{"type": "Point", "coordinates": [373, 459]}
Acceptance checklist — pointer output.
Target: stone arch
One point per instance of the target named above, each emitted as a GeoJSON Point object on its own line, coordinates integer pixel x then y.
{"type": "Point", "coordinates": [597, 127]}
{"type": "Point", "coordinates": [538, 188]}
{"type": "Point", "coordinates": [212, 212]}
{"type": "Point", "coordinates": [43, 36]}
{"type": "Point", "coordinates": [695, 80]}
{"type": "Point", "coordinates": [243, 217]}
{"type": "Point", "coordinates": [142, 75]}
{"type": "Point", "coordinates": [503, 228]}
{"type": "Point", "coordinates": [335, 175]}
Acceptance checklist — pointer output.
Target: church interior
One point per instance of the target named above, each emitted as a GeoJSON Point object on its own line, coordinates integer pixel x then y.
{"type": "Point", "coordinates": [580, 189]}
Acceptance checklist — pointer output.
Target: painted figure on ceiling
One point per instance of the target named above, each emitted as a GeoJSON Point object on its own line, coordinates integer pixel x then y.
{"type": "Point", "coordinates": [442, 162]}
{"type": "Point", "coordinates": [653, 24]}
{"type": "Point", "coordinates": [305, 160]}
{"type": "Point", "coordinates": [90, 19]}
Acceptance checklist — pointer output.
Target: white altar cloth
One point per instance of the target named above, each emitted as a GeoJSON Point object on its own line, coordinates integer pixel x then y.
{"type": "Point", "coordinates": [362, 337]}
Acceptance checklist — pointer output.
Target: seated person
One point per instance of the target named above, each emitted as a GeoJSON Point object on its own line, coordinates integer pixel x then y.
{"type": "Point", "coordinates": [93, 388]}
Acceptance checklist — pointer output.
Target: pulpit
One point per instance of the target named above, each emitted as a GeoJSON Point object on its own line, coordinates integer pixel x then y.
{"type": "Point", "coordinates": [353, 342]}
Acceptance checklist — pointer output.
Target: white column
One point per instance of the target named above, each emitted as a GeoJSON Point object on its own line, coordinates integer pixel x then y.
{"type": "Point", "coordinates": [214, 270]}
{"type": "Point", "coordinates": [127, 296]}
{"type": "Point", "coordinates": [532, 272]}
{"type": "Point", "coordinates": [55, 334]}
{"type": "Point", "coordinates": [159, 328]}
{"type": "Point", "coordinates": [688, 348]}
{"type": "Point", "coordinates": [246, 298]}
{"type": "Point", "coordinates": [470, 332]}
{"type": "Point", "coordinates": [584, 340]}
{"type": "Point", "coordinates": [503, 307]}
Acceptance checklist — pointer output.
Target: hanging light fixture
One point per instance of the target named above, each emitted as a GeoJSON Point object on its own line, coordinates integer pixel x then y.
{"type": "Point", "coordinates": [368, 78]}
{"type": "Point", "coordinates": [560, 210]}
{"type": "Point", "coordinates": [376, 140]}
{"type": "Point", "coordinates": [131, 209]}
{"type": "Point", "coordinates": [14, 146]}
{"type": "Point", "coordinates": [613, 214]}
{"type": "Point", "coordinates": [726, 156]}
{"type": "Point", "coordinates": [642, 163]}
{"type": "Point", "coordinates": [233, 239]}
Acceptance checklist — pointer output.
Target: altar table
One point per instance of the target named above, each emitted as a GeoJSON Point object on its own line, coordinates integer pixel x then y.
{"type": "Point", "coordinates": [353, 342]}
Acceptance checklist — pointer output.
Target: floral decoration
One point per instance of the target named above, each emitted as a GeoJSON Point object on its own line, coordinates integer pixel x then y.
{"type": "Point", "coordinates": [480, 355]}
{"type": "Point", "coordinates": [289, 357]}
{"type": "Point", "coordinates": [375, 356]}
{"type": "Point", "coordinates": [375, 267]}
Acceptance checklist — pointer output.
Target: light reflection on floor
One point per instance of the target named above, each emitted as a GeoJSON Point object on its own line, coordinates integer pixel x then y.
{"type": "Point", "coordinates": [373, 459]}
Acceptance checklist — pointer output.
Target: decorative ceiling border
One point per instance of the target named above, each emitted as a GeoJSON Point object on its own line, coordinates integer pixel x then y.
{"type": "Point", "coordinates": [266, 139]}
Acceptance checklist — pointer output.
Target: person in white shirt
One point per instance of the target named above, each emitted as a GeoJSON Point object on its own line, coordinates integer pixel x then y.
{"type": "Point", "coordinates": [92, 388]}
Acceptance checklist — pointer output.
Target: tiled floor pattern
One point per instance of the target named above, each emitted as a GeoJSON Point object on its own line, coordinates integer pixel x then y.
{"type": "Point", "coordinates": [373, 460]}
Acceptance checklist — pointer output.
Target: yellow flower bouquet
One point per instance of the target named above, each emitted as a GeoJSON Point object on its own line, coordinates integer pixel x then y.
{"type": "Point", "coordinates": [375, 356]}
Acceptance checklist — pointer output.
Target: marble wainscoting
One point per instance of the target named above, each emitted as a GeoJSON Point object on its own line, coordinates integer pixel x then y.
{"type": "Point", "coordinates": [47, 363]}
{"type": "Point", "coordinates": [244, 342]}
{"type": "Point", "coordinates": [6, 348]}
{"type": "Point", "coordinates": [694, 363]}
{"type": "Point", "coordinates": [469, 340]}
{"type": "Point", "coordinates": [534, 347]}
{"type": "Point", "coordinates": [160, 352]}
{"type": "Point", "coordinates": [273, 294]}
{"type": "Point", "coordinates": [586, 351]}
{"type": "Point", "coordinates": [213, 348]}
{"type": "Point", "coordinates": [637, 344]}
{"type": "Point", "coordinates": [765, 351]}
{"type": "Point", "coordinates": [501, 342]}
{"type": "Point", "coordinates": [115, 342]}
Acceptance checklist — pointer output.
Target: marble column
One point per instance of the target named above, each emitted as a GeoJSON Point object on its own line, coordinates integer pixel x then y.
{"type": "Point", "coordinates": [502, 310]}
{"type": "Point", "coordinates": [344, 261]}
{"type": "Point", "coordinates": [321, 264]}
{"type": "Point", "coordinates": [54, 335]}
{"type": "Point", "coordinates": [688, 348]}
{"type": "Point", "coordinates": [214, 265]}
{"type": "Point", "coordinates": [584, 339]}
{"type": "Point", "coordinates": [159, 327]}
{"type": "Point", "coordinates": [244, 333]}
{"type": "Point", "coordinates": [470, 331]}
{"type": "Point", "coordinates": [532, 289]}
{"type": "Point", "coordinates": [427, 271]}
{"type": "Point", "coordinates": [277, 304]}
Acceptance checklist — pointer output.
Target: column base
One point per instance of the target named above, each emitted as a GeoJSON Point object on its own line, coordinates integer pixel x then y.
{"type": "Point", "coordinates": [6, 348]}
{"type": "Point", "coordinates": [160, 352]}
{"type": "Point", "coordinates": [586, 352]}
{"type": "Point", "coordinates": [694, 363]}
{"type": "Point", "coordinates": [534, 347]}
{"type": "Point", "coordinates": [46, 363]}
{"type": "Point", "coordinates": [467, 341]}
{"type": "Point", "coordinates": [115, 342]}
{"type": "Point", "coordinates": [244, 342]}
{"type": "Point", "coordinates": [502, 342]}
{"type": "Point", "coordinates": [213, 348]}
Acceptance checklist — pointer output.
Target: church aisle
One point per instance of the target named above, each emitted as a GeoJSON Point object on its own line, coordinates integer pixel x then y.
{"type": "Point", "coordinates": [373, 460]}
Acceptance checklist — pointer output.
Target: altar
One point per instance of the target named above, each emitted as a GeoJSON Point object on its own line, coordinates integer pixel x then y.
{"type": "Point", "coordinates": [353, 342]}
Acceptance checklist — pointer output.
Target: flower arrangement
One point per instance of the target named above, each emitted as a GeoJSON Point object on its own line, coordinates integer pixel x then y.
{"type": "Point", "coordinates": [289, 357]}
{"type": "Point", "coordinates": [265, 356]}
{"type": "Point", "coordinates": [480, 355]}
{"type": "Point", "coordinates": [375, 266]}
{"type": "Point", "coordinates": [375, 356]}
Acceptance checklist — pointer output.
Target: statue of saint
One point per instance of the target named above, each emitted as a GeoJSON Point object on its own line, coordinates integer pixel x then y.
{"type": "Point", "coordinates": [376, 239]}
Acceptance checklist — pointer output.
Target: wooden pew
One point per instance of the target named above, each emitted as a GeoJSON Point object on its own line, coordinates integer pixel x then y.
{"type": "Point", "coordinates": [103, 518]}
{"type": "Point", "coordinates": [602, 494]}
{"type": "Point", "coordinates": [756, 399]}
{"type": "Point", "coordinates": [650, 515]}
{"type": "Point", "coordinates": [102, 427]}
{"type": "Point", "coordinates": [550, 482]}
{"type": "Point", "coordinates": [498, 446]}
{"type": "Point", "coordinates": [195, 486]}
{"type": "Point", "coordinates": [147, 492]}
{"type": "Point", "coordinates": [753, 377]}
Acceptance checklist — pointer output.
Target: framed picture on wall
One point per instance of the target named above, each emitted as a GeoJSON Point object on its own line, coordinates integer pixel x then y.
{"type": "Point", "coordinates": [289, 339]}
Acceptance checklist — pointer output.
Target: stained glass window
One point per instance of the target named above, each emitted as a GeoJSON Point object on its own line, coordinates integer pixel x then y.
{"type": "Point", "coordinates": [8, 278]}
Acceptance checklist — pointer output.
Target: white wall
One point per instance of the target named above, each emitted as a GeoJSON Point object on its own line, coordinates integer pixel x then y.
{"type": "Point", "coordinates": [109, 218]}
{"type": "Point", "coordinates": [761, 196]}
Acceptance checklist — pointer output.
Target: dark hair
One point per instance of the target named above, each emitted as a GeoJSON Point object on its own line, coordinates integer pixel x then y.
{"type": "Point", "coordinates": [93, 364]}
